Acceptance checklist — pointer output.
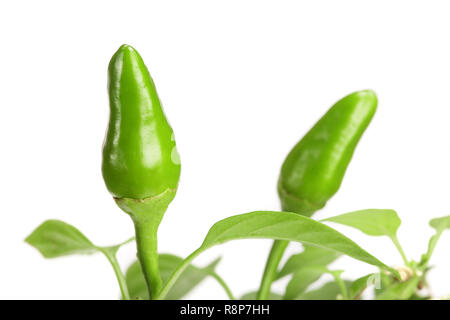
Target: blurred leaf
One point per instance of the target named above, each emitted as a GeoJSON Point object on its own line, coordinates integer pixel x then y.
{"type": "Point", "coordinates": [415, 296]}
{"type": "Point", "coordinates": [302, 279]}
{"type": "Point", "coordinates": [252, 296]}
{"type": "Point", "coordinates": [400, 290]}
{"type": "Point", "coordinates": [373, 222]}
{"type": "Point", "coordinates": [136, 282]}
{"type": "Point", "coordinates": [386, 281]}
{"type": "Point", "coordinates": [329, 291]}
{"type": "Point", "coordinates": [190, 278]}
{"type": "Point", "coordinates": [440, 225]}
{"type": "Point", "coordinates": [55, 238]}
{"type": "Point", "coordinates": [359, 285]}
{"type": "Point", "coordinates": [311, 256]}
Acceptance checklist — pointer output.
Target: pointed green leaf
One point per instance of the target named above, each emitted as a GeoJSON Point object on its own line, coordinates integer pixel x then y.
{"type": "Point", "coordinates": [373, 222]}
{"type": "Point", "coordinates": [311, 256]}
{"type": "Point", "coordinates": [285, 226]}
{"type": "Point", "coordinates": [329, 291]}
{"type": "Point", "coordinates": [279, 226]}
{"type": "Point", "coordinates": [190, 278]}
{"type": "Point", "coordinates": [55, 238]}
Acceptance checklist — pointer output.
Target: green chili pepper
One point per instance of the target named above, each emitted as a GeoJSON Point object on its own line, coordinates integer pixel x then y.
{"type": "Point", "coordinates": [313, 170]}
{"type": "Point", "coordinates": [139, 154]}
{"type": "Point", "coordinates": [141, 167]}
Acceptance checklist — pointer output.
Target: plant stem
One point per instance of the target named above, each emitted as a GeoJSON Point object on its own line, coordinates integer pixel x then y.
{"type": "Point", "coordinates": [111, 256]}
{"type": "Point", "coordinates": [341, 285]}
{"type": "Point", "coordinates": [176, 274]}
{"type": "Point", "coordinates": [147, 248]}
{"type": "Point", "coordinates": [431, 245]}
{"type": "Point", "coordinates": [224, 285]}
{"type": "Point", "coordinates": [400, 249]}
{"type": "Point", "coordinates": [147, 215]}
{"type": "Point", "coordinates": [179, 270]}
{"type": "Point", "coordinates": [270, 271]}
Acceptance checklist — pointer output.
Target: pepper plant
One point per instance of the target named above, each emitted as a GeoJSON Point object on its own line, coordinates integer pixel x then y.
{"type": "Point", "coordinates": [141, 169]}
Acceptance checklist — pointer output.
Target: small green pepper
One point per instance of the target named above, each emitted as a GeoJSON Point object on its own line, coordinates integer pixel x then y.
{"type": "Point", "coordinates": [140, 159]}
{"type": "Point", "coordinates": [313, 170]}
{"type": "Point", "coordinates": [141, 167]}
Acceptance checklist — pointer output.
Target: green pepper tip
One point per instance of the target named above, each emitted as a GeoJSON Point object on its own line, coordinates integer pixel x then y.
{"type": "Point", "coordinates": [126, 46]}
{"type": "Point", "coordinates": [313, 170]}
{"type": "Point", "coordinates": [139, 148]}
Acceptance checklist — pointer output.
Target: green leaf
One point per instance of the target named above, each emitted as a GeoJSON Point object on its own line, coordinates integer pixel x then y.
{"type": "Point", "coordinates": [359, 285]}
{"type": "Point", "coordinates": [55, 238]}
{"type": "Point", "coordinates": [311, 256]}
{"type": "Point", "coordinates": [400, 290]}
{"type": "Point", "coordinates": [135, 281]}
{"type": "Point", "coordinates": [307, 266]}
{"type": "Point", "coordinates": [252, 296]}
{"type": "Point", "coordinates": [280, 226]}
{"type": "Point", "coordinates": [440, 225]}
{"type": "Point", "coordinates": [302, 279]}
{"type": "Point", "coordinates": [373, 222]}
{"type": "Point", "coordinates": [285, 226]}
{"type": "Point", "coordinates": [385, 281]}
{"type": "Point", "coordinates": [329, 291]}
{"type": "Point", "coordinates": [190, 278]}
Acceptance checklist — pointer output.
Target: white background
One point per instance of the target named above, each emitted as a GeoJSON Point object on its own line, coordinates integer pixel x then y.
{"type": "Point", "coordinates": [241, 82]}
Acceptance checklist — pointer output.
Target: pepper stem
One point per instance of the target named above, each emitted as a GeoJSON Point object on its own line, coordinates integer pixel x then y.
{"type": "Point", "coordinates": [270, 271]}
{"type": "Point", "coordinates": [147, 252]}
{"type": "Point", "coordinates": [278, 249]}
{"type": "Point", "coordinates": [147, 215]}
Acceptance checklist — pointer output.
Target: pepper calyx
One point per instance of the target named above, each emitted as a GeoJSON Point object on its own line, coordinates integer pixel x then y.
{"type": "Point", "coordinates": [292, 203]}
{"type": "Point", "coordinates": [147, 208]}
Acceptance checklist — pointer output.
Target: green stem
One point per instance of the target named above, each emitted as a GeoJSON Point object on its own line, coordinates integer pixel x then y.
{"type": "Point", "coordinates": [341, 285]}
{"type": "Point", "coordinates": [400, 249]}
{"type": "Point", "coordinates": [147, 215]}
{"type": "Point", "coordinates": [179, 270]}
{"type": "Point", "coordinates": [110, 255]}
{"type": "Point", "coordinates": [147, 248]}
{"type": "Point", "coordinates": [270, 271]}
{"type": "Point", "coordinates": [176, 274]}
{"type": "Point", "coordinates": [224, 285]}
{"type": "Point", "coordinates": [431, 245]}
